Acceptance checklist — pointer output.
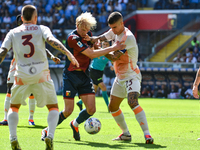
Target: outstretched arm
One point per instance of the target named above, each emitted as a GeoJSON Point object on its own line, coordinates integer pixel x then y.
{"type": "Point", "coordinates": [113, 56]}
{"type": "Point", "coordinates": [100, 52]}
{"type": "Point", "coordinates": [52, 57]}
{"type": "Point", "coordinates": [95, 39]}
{"type": "Point", "coordinates": [55, 43]}
{"type": "Point", "coordinates": [3, 53]}
{"type": "Point", "coordinates": [196, 84]}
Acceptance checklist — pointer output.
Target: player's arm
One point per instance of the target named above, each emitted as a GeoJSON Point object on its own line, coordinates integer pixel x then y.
{"type": "Point", "coordinates": [196, 84]}
{"type": "Point", "coordinates": [52, 57]}
{"type": "Point", "coordinates": [55, 43]}
{"type": "Point", "coordinates": [100, 52]}
{"type": "Point", "coordinates": [95, 39]}
{"type": "Point", "coordinates": [3, 53]}
{"type": "Point", "coordinates": [113, 56]}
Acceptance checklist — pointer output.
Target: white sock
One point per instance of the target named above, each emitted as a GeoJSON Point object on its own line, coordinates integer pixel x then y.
{"type": "Point", "coordinates": [75, 123]}
{"type": "Point", "coordinates": [12, 122]}
{"type": "Point", "coordinates": [52, 122]}
{"type": "Point", "coordinates": [119, 118]}
{"type": "Point", "coordinates": [141, 118]}
{"type": "Point", "coordinates": [6, 106]}
{"type": "Point", "coordinates": [31, 102]}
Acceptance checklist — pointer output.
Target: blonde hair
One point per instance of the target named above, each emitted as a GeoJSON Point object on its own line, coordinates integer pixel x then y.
{"type": "Point", "coordinates": [86, 20]}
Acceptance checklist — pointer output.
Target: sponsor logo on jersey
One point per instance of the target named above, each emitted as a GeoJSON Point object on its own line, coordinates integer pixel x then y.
{"type": "Point", "coordinates": [80, 44]}
{"type": "Point", "coordinates": [8, 79]}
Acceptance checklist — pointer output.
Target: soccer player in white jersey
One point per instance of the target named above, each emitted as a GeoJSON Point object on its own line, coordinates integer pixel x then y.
{"type": "Point", "coordinates": [32, 71]}
{"type": "Point", "coordinates": [10, 81]}
{"type": "Point", "coordinates": [128, 76]}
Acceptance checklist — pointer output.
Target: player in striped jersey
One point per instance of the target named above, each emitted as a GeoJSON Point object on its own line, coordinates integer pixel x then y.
{"type": "Point", "coordinates": [96, 73]}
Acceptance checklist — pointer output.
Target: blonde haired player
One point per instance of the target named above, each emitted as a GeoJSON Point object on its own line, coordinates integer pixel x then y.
{"type": "Point", "coordinates": [76, 79]}
{"type": "Point", "coordinates": [10, 81]}
{"type": "Point", "coordinates": [128, 77]}
{"type": "Point", "coordinates": [32, 71]}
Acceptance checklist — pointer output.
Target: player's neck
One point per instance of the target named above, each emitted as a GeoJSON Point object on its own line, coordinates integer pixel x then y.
{"type": "Point", "coordinates": [121, 31]}
{"type": "Point", "coordinates": [28, 22]}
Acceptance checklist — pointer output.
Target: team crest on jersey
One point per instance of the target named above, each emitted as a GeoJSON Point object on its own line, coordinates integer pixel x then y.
{"type": "Point", "coordinates": [32, 70]}
{"type": "Point", "coordinates": [80, 44]}
{"type": "Point", "coordinates": [68, 93]}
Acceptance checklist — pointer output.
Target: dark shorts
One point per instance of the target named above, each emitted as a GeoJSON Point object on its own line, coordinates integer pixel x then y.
{"type": "Point", "coordinates": [96, 76]}
{"type": "Point", "coordinates": [76, 82]}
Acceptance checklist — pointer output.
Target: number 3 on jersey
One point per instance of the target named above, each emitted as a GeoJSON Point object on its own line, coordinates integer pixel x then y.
{"type": "Point", "coordinates": [27, 42]}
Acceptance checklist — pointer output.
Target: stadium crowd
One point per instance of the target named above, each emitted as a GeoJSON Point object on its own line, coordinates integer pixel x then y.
{"type": "Point", "coordinates": [177, 4]}
{"type": "Point", "coordinates": [61, 14]}
{"type": "Point", "coordinates": [191, 54]}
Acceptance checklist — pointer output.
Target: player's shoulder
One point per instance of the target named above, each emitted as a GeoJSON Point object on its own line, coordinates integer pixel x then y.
{"type": "Point", "coordinates": [128, 32]}
{"type": "Point", "coordinates": [130, 35]}
{"type": "Point", "coordinates": [43, 27]}
{"type": "Point", "coordinates": [73, 36]}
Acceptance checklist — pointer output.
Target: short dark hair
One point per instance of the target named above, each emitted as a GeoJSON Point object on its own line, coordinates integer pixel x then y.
{"type": "Point", "coordinates": [114, 17]}
{"type": "Point", "coordinates": [28, 11]}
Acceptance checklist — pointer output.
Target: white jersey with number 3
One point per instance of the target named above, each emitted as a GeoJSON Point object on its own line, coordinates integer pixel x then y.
{"type": "Point", "coordinates": [126, 65]}
{"type": "Point", "coordinates": [28, 42]}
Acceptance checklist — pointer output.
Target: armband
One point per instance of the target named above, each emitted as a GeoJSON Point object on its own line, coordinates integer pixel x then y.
{"type": "Point", "coordinates": [123, 51]}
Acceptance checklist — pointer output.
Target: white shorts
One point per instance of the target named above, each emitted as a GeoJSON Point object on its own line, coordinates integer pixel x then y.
{"type": "Point", "coordinates": [44, 93]}
{"type": "Point", "coordinates": [121, 88]}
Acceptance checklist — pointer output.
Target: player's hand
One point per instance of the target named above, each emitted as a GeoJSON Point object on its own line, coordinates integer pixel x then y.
{"type": "Point", "coordinates": [111, 68]}
{"type": "Point", "coordinates": [87, 38]}
{"type": "Point", "coordinates": [119, 45]}
{"type": "Point", "coordinates": [97, 45]}
{"type": "Point", "coordinates": [73, 60]}
{"type": "Point", "coordinates": [195, 92]}
{"type": "Point", "coordinates": [91, 39]}
{"type": "Point", "coordinates": [56, 60]}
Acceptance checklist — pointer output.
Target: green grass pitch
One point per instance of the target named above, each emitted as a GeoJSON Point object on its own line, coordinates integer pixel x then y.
{"type": "Point", "coordinates": [174, 125]}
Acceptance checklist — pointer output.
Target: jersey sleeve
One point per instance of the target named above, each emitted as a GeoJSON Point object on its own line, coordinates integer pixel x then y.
{"type": "Point", "coordinates": [130, 42]}
{"type": "Point", "coordinates": [109, 35]}
{"type": "Point", "coordinates": [75, 42]}
{"type": "Point", "coordinates": [7, 43]}
{"type": "Point", "coordinates": [46, 32]}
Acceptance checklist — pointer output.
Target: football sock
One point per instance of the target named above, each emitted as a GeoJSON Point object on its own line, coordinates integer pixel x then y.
{"type": "Point", "coordinates": [31, 102]}
{"type": "Point", "coordinates": [83, 115]}
{"type": "Point", "coordinates": [61, 118]}
{"type": "Point", "coordinates": [13, 121]}
{"type": "Point", "coordinates": [119, 118]}
{"type": "Point", "coordinates": [141, 118]}
{"type": "Point", "coordinates": [6, 106]}
{"type": "Point", "coordinates": [52, 121]}
{"type": "Point", "coordinates": [80, 102]}
{"type": "Point", "coordinates": [105, 96]}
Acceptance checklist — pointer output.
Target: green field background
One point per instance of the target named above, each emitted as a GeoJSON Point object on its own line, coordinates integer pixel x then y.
{"type": "Point", "coordinates": [173, 123]}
